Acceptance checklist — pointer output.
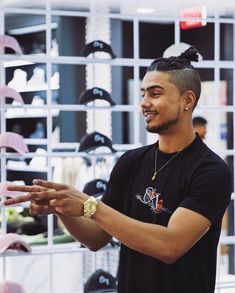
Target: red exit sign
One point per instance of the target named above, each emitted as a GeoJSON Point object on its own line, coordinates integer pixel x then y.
{"type": "Point", "coordinates": [198, 13]}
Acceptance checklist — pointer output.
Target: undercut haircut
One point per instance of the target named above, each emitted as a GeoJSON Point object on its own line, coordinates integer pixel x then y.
{"type": "Point", "coordinates": [182, 74]}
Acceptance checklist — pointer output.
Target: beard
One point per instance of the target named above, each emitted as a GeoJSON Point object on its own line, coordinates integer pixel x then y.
{"type": "Point", "coordinates": [160, 129]}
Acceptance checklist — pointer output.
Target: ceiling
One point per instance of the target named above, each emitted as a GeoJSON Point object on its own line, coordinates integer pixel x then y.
{"type": "Point", "coordinates": [167, 8]}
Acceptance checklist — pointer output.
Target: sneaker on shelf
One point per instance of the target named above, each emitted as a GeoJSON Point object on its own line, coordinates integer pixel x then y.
{"type": "Point", "coordinates": [40, 160]}
{"type": "Point", "coordinates": [54, 48]}
{"type": "Point", "coordinates": [36, 101]}
{"type": "Point", "coordinates": [38, 77]}
{"type": "Point", "coordinates": [55, 80]}
{"type": "Point", "coordinates": [19, 80]}
{"type": "Point", "coordinates": [39, 131]}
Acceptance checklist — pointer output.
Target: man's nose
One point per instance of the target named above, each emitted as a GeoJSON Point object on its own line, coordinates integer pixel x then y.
{"type": "Point", "coordinates": [145, 101]}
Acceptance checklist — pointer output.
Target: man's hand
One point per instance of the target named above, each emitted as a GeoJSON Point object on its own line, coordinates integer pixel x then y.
{"type": "Point", "coordinates": [48, 197]}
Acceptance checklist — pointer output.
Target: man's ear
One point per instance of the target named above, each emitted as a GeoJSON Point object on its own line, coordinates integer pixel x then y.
{"type": "Point", "coordinates": [189, 100]}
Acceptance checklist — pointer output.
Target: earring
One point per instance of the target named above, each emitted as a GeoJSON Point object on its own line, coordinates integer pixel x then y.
{"type": "Point", "coordinates": [186, 108]}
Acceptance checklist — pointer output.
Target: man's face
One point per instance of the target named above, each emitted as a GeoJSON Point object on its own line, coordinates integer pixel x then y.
{"type": "Point", "coordinates": [161, 102]}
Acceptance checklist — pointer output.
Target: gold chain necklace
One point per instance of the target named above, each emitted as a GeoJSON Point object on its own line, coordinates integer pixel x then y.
{"type": "Point", "coordinates": [155, 163]}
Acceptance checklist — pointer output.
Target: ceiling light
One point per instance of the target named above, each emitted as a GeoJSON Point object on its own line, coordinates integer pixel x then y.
{"type": "Point", "coordinates": [145, 10]}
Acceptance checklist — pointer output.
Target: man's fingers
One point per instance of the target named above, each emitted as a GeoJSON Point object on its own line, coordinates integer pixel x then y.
{"type": "Point", "coordinates": [49, 185]}
{"type": "Point", "coordinates": [40, 209]}
{"type": "Point", "coordinates": [24, 188]}
{"type": "Point", "coordinates": [47, 195]}
{"type": "Point", "coordinates": [18, 199]}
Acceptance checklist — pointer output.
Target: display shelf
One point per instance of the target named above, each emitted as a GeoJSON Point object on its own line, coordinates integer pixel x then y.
{"type": "Point", "coordinates": [72, 107]}
{"type": "Point", "coordinates": [27, 168]}
{"type": "Point", "coordinates": [17, 63]}
{"type": "Point", "coordinates": [29, 112]}
{"type": "Point", "coordinates": [35, 88]}
{"type": "Point", "coordinates": [74, 247]}
{"type": "Point", "coordinates": [128, 62]}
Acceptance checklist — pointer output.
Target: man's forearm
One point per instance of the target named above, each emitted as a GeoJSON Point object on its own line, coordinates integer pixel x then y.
{"type": "Point", "coordinates": [85, 231]}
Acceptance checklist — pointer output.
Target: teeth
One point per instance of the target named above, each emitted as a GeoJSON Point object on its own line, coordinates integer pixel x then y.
{"type": "Point", "coordinates": [149, 113]}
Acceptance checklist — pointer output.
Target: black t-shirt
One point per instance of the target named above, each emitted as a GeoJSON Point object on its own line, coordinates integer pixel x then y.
{"type": "Point", "coordinates": [196, 179]}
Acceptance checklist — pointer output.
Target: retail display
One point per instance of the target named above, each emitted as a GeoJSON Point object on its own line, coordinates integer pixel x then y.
{"type": "Point", "coordinates": [96, 93]}
{"type": "Point", "coordinates": [14, 141]}
{"type": "Point", "coordinates": [13, 242]}
{"type": "Point", "coordinates": [10, 42]}
{"type": "Point", "coordinates": [100, 281]}
{"type": "Point", "coordinates": [94, 140]}
{"type": "Point", "coordinates": [6, 91]}
{"type": "Point", "coordinates": [11, 287]}
{"type": "Point", "coordinates": [95, 187]}
{"type": "Point", "coordinates": [97, 46]}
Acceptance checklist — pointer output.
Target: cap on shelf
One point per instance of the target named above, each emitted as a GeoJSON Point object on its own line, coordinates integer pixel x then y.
{"type": "Point", "coordinates": [97, 46]}
{"type": "Point", "coordinates": [14, 141]}
{"type": "Point", "coordinates": [11, 287]}
{"type": "Point", "coordinates": [100, 281]}
{"type": "Point", "coordinates": [12, 241]}
{"type": "Point", "coordinates": [94, 140]}
{"type": "Point", "coordinates": [95, 93]}
{"type": "Point", "coordinates": [95, 187]}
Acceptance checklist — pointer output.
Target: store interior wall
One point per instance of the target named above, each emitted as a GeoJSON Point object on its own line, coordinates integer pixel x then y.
{"type": "Point", "coordinates": [154, 39]}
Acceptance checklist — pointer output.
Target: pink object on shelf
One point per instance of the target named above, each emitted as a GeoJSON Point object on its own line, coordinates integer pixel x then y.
{"type": "Point", "coordinates": [6, 91]}
{"type": "Point", "coordinates": [11, 287]}
{"type": "Point", "coordinates": [13, 140]}
{"type": "Point", "coordinates": [12, 241]}
{"type": "Point", "coordinates": [10, 42]}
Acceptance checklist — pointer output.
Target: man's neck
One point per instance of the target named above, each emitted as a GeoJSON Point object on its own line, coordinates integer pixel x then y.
{"type": "Point", "coordinates": [174, 143]}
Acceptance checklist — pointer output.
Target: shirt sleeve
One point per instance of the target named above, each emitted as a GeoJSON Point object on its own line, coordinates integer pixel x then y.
{"type": "Point", "coordinates": [210, 191]}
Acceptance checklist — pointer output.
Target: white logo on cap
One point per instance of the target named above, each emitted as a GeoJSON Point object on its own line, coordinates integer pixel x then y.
{"type": "Point", "coordinates": [97, 92]}
{"type": "Point", "coordinates": [98, 44]}
{"type": "Point", "coordinates": [99, 138]}
{"type": "Point", "coordinates": [103, 280]}
{"type": "Point", "coordinates": [99, 184]}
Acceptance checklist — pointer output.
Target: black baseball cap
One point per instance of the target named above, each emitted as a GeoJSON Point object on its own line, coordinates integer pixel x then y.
{"type": "Point", "coordinates": [100, 281]}
{"type": "Point", "coordinates": [95, 187]}
{"type": "Point", "coordinates": [97, 46]}
{"type": "Point", "coordinates": [95, 93]}
{"type": "Point", "coordinates": [94, 140]}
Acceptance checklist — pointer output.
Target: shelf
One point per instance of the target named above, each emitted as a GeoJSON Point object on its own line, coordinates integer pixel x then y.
{"type": "Point", "coordinates": [27, 168]}
{"type": "Point", "coordinates": [128, 62]}
{"type": "Point", "coordinates": [28, 113]}
{"type": "Point", "coordinates": [56, 249]}
{"type": "Point", "coordinates": [35, 88]}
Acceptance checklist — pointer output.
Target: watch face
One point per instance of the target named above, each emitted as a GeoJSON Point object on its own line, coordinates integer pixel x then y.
{"type": "Point", "coordinates": [90, 207]}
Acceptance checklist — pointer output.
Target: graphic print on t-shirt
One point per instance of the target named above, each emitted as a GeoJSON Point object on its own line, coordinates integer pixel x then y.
{"type": "Point", "coordinates": [153, 199]}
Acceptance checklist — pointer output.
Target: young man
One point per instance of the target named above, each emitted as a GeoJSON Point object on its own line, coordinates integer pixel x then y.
{"type": "Point", "coordinates": [200, 126]}
{"type": "Point", "coordinates": [164, 202]}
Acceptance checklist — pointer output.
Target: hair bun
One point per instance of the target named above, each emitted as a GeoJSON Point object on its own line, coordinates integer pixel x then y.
{"type": "Point", "coordinates": [191, 54]}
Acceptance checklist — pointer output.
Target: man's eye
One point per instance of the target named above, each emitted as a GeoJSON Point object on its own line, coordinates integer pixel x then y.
{"type": "Point", "coordinates": [156, 94]}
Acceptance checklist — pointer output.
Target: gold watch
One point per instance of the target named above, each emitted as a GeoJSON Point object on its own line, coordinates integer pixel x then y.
{"type": "Point", "coordinates": [90, 207]}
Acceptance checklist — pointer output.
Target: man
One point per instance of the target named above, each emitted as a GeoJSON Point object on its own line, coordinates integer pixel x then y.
{"type": "Point", "coordinates": [200, 126]}
{"type": "Point", "coordinates": [164, 202]}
